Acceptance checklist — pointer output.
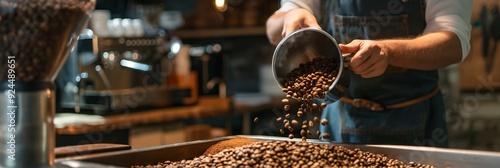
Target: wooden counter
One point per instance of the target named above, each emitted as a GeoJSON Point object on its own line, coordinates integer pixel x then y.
{"type": "Point", "coordinates": [211, 106]}
{"type": "Point", "coordinates": [206, 107]}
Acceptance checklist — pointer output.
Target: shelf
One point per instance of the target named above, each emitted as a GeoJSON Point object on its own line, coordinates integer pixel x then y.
{"type": "Point", "coordinates": [222, 32]}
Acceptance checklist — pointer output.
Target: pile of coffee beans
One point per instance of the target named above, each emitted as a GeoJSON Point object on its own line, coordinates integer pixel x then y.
{"type": "Point", "coordinates": [308, 82]}
{"type": "Point", "coordinates": [37, 33]}
{"type": "Point", "coordinates": [289, 154]}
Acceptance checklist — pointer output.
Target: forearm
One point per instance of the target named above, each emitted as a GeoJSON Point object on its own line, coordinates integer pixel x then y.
{"type": "Point", "coordinates": [274, 27]}
{"type": "Point", "coordinates": [427, 52]}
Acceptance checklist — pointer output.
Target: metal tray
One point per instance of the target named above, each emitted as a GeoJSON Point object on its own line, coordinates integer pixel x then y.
{"type": "Point", "coordinates": [439, 157]}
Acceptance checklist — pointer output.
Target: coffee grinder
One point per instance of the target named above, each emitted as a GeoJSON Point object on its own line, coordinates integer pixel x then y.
{"type": "Point", "coordinates": [36, 37]}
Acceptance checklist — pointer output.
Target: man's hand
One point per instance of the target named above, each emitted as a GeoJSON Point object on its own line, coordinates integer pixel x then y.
{"type": "Point", "coordinates": [370, 58]}
{"type": "Point", "coordinates": [296, 19]}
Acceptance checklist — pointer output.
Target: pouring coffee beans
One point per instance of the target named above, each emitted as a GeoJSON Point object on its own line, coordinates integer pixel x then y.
{"type": "Point", "coordinates": [308, 82]}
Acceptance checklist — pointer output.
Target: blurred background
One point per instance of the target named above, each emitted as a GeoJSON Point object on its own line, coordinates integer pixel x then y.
{"type": "Point", "coordinates": [155, 72]}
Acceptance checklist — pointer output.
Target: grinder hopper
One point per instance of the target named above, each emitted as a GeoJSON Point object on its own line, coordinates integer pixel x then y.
{"type": "Point", "coordinates": [36, 37]}
{"type": "Point", "coordinates": [303, 46]}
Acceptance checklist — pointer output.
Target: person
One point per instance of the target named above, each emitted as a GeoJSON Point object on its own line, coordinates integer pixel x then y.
{"type": "Point", "coordinates": [393, 95]}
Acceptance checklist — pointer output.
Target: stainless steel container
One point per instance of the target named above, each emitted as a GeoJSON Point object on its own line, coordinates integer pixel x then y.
{"type": "Point", "coordinates": [303, 46]}
{"type": "Point", "coordinates": [439, 157]}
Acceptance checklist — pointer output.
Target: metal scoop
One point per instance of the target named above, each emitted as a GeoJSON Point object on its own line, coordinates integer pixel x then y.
{"type": "Point", "coordinates": [303, 46]}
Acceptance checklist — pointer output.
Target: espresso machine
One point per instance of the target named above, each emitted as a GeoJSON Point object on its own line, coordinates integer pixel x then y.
{"type": "Point", "coordinates": [114, 75]}
{"type": "Point", "coordinates": [119, 73]}
{"type": "Point", "coordinates": [32, 51]}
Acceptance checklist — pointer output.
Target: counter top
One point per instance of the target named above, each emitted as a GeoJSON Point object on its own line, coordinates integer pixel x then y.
{"type": "Point", "coordinates": [206, 107]}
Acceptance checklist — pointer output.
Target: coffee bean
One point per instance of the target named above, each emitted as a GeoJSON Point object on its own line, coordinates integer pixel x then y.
{"type": "Point", "coordinates": [278, 119]}
{"type": "Point", "coordinates": [295, 122]}
{"type": "Point", "coordinates": [284, 100]}
{"type": "Point", "coordinates": [325, 136]}
{"type": "Point", "coordinates": [323, 105]}
{"type": "Point", "coordinates": [311, 124]}
{"type": "Point", "coordinates": [316, 119]}
{"type": "Point", "coordinates": [281, 131]}
{"type": "Point", "coordinates": [286, 107]}
{"type": "Point", "coordinates": [287, 115]}
{"type": "Point", "coordinates": [290, 136]}
{"type": "Point", "coordinates": [287, 125]}
{"type": "Point", "coordinates": [324, 121]}
{"type": "Point", "coordinates": [300, 113]}
{"type": "Point", "coordinates": [314, 105]}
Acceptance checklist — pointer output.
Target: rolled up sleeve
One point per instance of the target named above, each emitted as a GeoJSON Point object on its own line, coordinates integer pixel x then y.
{"type": "Point", "coordinates": [451, 15]}
{"type": "Point", "coordinates": [309, 5]}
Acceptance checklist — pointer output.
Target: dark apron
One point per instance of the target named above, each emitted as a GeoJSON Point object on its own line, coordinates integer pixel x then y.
{"type": "Point", "coordinates": [419, 124]}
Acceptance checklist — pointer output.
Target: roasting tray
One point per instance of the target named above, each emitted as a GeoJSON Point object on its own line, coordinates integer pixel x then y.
{"type": "Point", "coordinates": [425, 155]}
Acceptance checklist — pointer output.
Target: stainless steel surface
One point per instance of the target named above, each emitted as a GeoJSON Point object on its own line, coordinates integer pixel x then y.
{"type": "Point", "coordinates": [439, 157]}
{"type": "Point", "coordinates": [303, 46]}
{"type": "Point", "coordinates": [31, 127]}
{"type": "Point", "coordinates": [79, 164]}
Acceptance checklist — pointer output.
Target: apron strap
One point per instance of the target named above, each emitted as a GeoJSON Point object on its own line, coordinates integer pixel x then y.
{"type": "Point", "coordinates": [357, 102]}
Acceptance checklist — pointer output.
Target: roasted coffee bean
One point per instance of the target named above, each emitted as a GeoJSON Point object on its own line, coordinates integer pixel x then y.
{"type": "Point", "coordinates": [278, 119]}
{"type": "Point", "coordinates": [323, 105]}
{"type": "Point", "coordinates": [256, 119]}
{"type": "Point", "coordinates": [290, 128]}
{"type": "Point", "coordinates": [314, 105]}
{"type": "Point", "coordinates": [287, 115]}
{"type": "Point", "coordinates": [300, 113]}
{"type": "Point", "coordinates": [325, 136]}
{"type": "Point", "coordinates": [287, 125]}
{"type": "Point", "coordinates": [295, 122]}
{"type": "Point", "coordinates": [281, 131]}
{"type": "Point", "coordinates": [284, 100]}
{"type": "Point", "coordinates": [311, 124]}
{"type": "Point", "coordinates": [316, 119]}
{"type": "Point", "coordinates": [303, 132]}
{"type": "Point", "coordinates": [289, 154]}
{"type": "Point", "coordinates": [324, 121]}
{"type": "Point", "coordinates": [286, 107]}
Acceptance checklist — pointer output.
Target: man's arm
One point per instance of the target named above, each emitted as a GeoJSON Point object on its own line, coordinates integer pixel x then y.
{"type": "Point", "coordinates": [445, 41]}
{"type": "Point", "coordinates": [428, 52]}
{"type": "Point", "coordinates": [274, 27]}
{"type": "Point", "coordinates": [293, 15]}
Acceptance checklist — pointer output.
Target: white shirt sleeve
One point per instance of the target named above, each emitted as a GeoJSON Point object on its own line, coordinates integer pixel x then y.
{"type": "Point", "coordinates": [312, 6]}
{"type": "Point", "coordinates": [451, 15]}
